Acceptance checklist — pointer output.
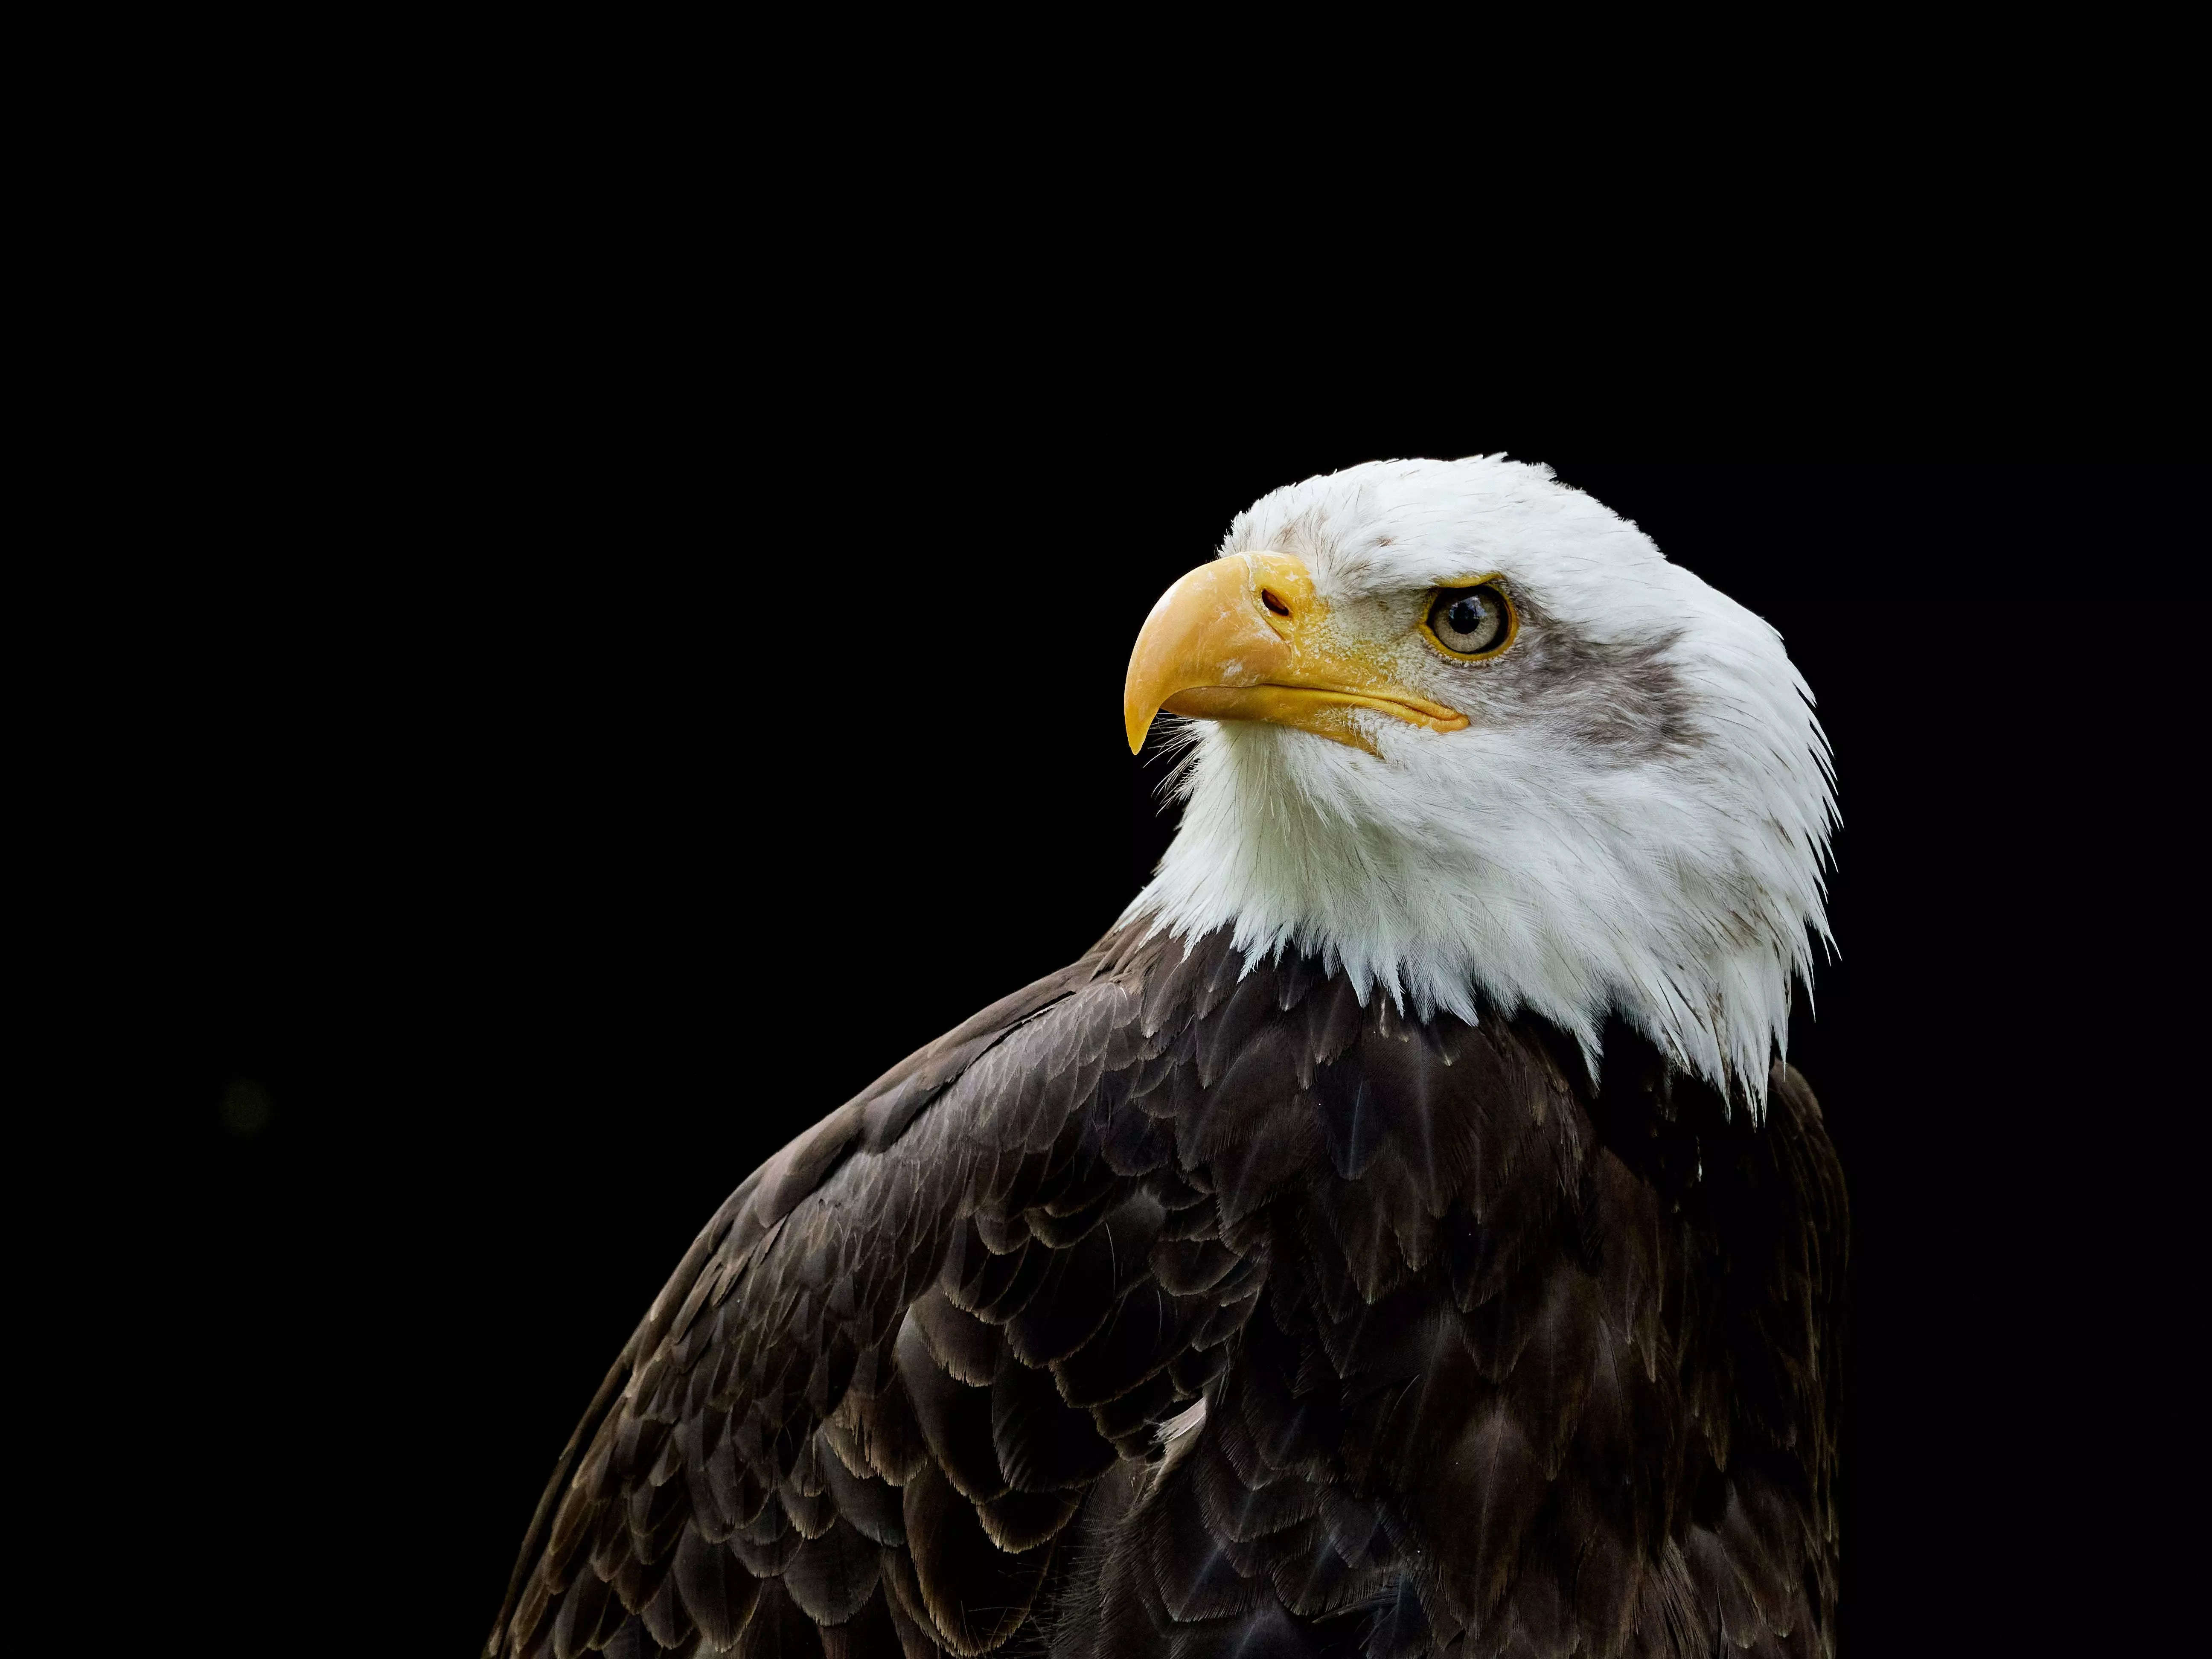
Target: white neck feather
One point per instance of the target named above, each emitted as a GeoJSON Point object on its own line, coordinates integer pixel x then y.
{"type": "Point", "coordinates": [1513, 867]}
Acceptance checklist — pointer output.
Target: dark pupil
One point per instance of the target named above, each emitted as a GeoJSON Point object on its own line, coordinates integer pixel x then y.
{"type": "Point", "coordinates": [1466, 617]}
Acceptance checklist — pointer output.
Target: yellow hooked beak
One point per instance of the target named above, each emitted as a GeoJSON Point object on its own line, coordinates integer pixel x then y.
{"type": "Point", "coordinates": [1246, 638]}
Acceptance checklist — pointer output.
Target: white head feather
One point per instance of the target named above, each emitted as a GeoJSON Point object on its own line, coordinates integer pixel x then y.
{"type": "Point", "coordinates": [1635, 821]}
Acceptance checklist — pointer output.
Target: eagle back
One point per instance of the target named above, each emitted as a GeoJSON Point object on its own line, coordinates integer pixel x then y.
{"type": "Point", "coordinates": [1181, 1304]}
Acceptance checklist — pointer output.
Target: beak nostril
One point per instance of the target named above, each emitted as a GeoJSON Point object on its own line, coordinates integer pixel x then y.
{"type": "Point", "coordinates": [1268, 597]}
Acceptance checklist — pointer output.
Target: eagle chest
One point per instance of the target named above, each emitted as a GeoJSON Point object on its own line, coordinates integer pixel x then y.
{"type": "Point", "coordinates": [1174, 1308]}
{"type": "Point", "coordinates": [1486, 1373]}
{"type": "Point", "coordinates": [1189, 1303]}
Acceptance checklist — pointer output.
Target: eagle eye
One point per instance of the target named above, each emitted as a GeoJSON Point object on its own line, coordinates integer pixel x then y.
{"type": "Point", "coordinates": [1472, 622]}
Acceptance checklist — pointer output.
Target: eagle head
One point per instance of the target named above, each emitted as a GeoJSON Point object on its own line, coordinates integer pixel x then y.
{"type": "Point", "coordinates": [1465, 733]}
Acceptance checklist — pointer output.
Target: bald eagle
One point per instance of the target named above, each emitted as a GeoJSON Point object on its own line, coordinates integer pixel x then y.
{"type": "Point", "coordinates": [1401, 1234]}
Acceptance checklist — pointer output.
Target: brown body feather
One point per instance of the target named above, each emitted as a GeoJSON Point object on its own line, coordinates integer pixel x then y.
{"type": "Point", "coordinates": [1496, 1358]}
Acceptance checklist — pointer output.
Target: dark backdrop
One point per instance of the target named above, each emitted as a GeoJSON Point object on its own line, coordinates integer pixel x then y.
{"type": "Point", "coordinates": [503, 842]}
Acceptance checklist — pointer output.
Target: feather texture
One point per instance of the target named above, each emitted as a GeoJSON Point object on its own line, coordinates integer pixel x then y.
{"type": "Point", "coordinates": [1490, 1351]}
{"type": "Point", "coordinates": [1636, 818]}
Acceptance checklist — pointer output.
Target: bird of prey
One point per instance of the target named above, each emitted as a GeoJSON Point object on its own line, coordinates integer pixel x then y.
{"type": "Point", "coordinates": [1401, 1234]}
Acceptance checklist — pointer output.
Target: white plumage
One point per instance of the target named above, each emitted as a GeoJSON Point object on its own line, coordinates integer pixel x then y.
{"type": "Point", "coordinates": [1637, 819]}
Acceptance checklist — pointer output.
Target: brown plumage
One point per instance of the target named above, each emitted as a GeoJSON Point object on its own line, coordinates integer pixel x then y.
{"type": "Point", "coordinates": [1496, 1358]}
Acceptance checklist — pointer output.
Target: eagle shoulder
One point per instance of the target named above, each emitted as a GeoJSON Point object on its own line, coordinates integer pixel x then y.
{"type": "Point", "coordinates": [1455, 1340]}
{"type": "Point", "coordinates": [957, 1300]}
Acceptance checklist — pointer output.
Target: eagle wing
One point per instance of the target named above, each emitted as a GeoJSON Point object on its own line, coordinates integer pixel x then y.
{"type": "Point", "coordinates": [885, 1375]}
{"type": "Point", "coordinates": [1542, 1357]}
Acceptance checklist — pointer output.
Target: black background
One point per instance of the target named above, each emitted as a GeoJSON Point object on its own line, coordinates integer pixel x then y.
{"type": "Point", "coordinates": [488, 842]}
